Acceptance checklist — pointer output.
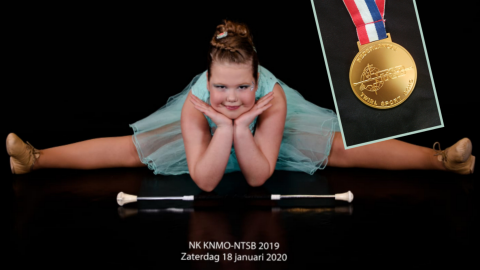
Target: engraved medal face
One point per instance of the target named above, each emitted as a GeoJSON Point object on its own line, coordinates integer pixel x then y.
{"type": "Point", "coordinates": [383, 74]}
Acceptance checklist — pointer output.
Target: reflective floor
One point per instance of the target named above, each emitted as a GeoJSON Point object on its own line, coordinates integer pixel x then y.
{"type": "Point", "coordinates": [64, 218]}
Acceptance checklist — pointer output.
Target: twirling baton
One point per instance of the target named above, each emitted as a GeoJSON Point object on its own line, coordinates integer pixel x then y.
{"type": "Point", "coordinates": [124, 198]}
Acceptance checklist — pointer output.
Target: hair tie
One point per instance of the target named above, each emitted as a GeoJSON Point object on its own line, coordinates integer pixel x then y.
{"type": "Point", "coordinates": [222, 35]}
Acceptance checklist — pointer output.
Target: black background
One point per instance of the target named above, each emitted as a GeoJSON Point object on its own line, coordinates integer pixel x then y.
{"type": "Point", "coordinates": [77, 71]}
{"type": "Point", "coordinates": [362, 124]}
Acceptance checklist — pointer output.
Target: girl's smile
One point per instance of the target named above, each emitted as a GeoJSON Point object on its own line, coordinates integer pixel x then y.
{"type": "Point", "coordinates": [232, 108]}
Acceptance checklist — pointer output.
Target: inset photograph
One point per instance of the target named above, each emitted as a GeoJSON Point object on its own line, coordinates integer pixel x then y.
{"type": "Point", "coordinates": [378, 68]}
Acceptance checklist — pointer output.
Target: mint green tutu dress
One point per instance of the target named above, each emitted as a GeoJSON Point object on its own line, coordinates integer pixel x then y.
{"type": "Point", "coordinates": [307, 137]}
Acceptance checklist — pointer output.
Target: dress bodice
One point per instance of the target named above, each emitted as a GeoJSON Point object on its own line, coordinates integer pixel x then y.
{"type": "Point", "coordinates": [266, 82]}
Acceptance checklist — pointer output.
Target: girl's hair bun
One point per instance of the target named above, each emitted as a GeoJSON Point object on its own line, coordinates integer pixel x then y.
{"type": "Point", "coordinates": [236, 46]}
{"type": "Point", "coordinates": [239, 29]}
{"type": "Point", "coordinates": [237, 33]}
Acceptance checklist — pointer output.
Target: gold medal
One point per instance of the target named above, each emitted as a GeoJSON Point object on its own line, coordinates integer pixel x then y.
{"type": "Point", "coordinates": [383, 74]}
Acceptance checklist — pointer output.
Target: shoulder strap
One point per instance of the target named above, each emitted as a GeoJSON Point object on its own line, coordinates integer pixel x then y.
{"type": "Point", "coordinates": [199, 89]}
{"type": "Point", "coordinates": [266, 82]}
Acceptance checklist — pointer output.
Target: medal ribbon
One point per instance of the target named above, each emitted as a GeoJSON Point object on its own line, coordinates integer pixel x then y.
{"type": "Point", "coordinates": [367, 15]}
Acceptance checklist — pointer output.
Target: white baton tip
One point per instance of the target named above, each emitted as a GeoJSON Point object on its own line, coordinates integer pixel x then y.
{"type": "Point", "coordinates": [275, 197]}
{"type": "Point", "coordinates": [188, 198]}
{"type": "Point", "coordinates": [124, 198]}
{"type": "Point", "coordinates": [347, 196]}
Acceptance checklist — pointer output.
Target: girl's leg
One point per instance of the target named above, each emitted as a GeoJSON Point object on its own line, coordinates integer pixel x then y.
{"type": "Point", "coordinates": [91, 154]}
{"type": "Point", "coordinates": [387, 155]}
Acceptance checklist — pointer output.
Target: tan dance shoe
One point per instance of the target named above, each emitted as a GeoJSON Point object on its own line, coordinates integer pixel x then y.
{"type": "Point", "coordinates": [22, 155]}
{"type": "Point", "coordinates": [458, 157]}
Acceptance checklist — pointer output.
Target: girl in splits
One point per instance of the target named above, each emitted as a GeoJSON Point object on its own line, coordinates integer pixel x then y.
{"type": "Point", "coordinates": [236, 116]}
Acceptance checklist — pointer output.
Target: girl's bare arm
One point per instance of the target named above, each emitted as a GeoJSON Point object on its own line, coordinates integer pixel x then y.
{"type": "Point", "coordinates": [257, 155]}
{"type": "Point", "coordinates": [207, 155]}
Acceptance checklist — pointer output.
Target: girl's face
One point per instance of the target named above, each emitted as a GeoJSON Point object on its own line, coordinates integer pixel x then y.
{"type": "Point", "coordinates": [230, 88]}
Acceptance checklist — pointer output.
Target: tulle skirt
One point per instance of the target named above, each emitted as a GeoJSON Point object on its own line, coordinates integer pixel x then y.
{"type": "Point", "coordinates": [306, 142]}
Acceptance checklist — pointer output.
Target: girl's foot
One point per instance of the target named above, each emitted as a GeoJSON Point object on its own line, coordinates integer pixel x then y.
{"type": "Point", "coordinates": [22, 155]}
{"type": "Point", "coordinates": [458, 157]}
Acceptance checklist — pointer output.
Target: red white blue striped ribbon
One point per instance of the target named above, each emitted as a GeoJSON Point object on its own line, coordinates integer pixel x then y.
{"type": "Point", "coordinates": [367, 15]}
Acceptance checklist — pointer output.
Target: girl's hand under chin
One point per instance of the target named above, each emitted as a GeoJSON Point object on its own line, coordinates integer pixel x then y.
{"type": "Point", "coordinates": [260, 106]}
{"type": "Point", "coordinates": [219, 119]}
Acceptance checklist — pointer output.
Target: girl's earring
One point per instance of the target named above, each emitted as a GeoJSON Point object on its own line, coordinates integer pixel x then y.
{"type": "Point", "coordinates": [253, 86]}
